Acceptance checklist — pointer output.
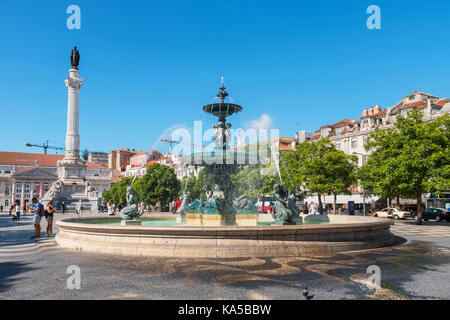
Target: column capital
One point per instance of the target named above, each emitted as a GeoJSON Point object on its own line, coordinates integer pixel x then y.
{"type": "Point", "coordinates": [73, 83]}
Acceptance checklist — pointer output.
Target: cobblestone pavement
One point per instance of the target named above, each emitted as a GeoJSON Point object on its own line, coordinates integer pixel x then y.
{"type": "Point", "coordinates": [416, 268]}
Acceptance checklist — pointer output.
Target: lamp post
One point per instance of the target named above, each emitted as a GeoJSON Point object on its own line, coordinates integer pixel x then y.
{"type": "Point", "coordinates": [363, 160]}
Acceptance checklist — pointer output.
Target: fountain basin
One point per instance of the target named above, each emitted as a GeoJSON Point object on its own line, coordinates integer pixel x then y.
{"type": "Point", "coordinates": [343, 233]}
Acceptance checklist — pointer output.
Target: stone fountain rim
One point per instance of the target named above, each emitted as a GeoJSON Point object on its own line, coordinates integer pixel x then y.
{"type": "Point", "coordinates": [371, 222]}
{"type": "Point", "coordinates": [224, 242]}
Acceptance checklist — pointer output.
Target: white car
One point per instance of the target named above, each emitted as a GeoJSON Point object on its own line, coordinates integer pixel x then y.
{"type": "Point", "coordinates": [392, 213]}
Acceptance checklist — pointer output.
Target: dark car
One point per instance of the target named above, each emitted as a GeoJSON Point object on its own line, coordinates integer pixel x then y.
{"type": "Point", "coordinates": [434, 214]}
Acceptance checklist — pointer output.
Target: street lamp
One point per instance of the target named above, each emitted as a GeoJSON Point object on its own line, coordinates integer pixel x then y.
{"type": "Point", "coordinates": [363, 160]}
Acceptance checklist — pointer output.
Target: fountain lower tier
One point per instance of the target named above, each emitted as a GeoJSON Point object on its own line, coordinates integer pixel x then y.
{"type": "Point", "coordinates": [342, 234]}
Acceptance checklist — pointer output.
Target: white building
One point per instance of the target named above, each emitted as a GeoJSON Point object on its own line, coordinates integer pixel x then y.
{"type": "Point", "coordinates": [350, 136]}
{"type": "Point", "coordinates": [167, 159]}
{"type": "Point", "coordinates": [27, 175]}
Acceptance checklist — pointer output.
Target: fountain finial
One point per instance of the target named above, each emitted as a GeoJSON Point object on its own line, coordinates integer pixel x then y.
{"type": "Point", "coordinates": [222, 93]}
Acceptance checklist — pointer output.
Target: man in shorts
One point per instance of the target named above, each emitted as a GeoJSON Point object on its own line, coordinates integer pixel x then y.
{"type": "Point", "coordinates": [36, 211]}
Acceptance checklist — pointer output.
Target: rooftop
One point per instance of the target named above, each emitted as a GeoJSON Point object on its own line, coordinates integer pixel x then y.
{"type": "Point", "coordinates": [29, 159]}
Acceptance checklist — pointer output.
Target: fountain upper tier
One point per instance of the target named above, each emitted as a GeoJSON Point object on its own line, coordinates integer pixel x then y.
{"type": "Point", "coordinates": [222, 110]}
{"type": "Point", "coordinates": [222, 155]}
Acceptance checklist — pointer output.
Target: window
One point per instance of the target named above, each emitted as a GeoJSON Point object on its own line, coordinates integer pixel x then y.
{"type": "Point", "coordinates": [338, 145]}
{"type": "Point", "coordinates": [6, 191]}
{"type": "Point", "coordinates": [27, 190]}
{"type": "Point", "coordinates": [18, 188]}
{"type": "Point", "coordinates": [354, 143]}
{"type": "Point", "coordinates": [412, 97]}
{"type": "Point", "coordinates": [6, 203]}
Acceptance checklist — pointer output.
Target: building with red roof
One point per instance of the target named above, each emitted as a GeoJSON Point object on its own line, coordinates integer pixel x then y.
{"type": "Point", "coordinates": [24, 175]}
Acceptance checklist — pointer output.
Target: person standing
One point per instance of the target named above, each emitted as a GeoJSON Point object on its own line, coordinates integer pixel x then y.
{"type": "Point", "coordinates": [78, 208]}
{"type": "Point", "coordinates": [110, 209]}
{"type": "Point", "coordinates": [305, 208]}
{"type": "Point", "coordinates": [49, 211]}
{"type": "Point", "coordinates": [37, 210]}
{"type": "Point", "coordinates": [312, 209]}
{"type": "Point", "coordinates": [10, 209]}
{"type": "Point", "coordinates": [63, 207]}
{"type": "Point", "coordinates": [17, 211]}
{"type": "Point", "coordinates": [1, 208]}
{"type": "Point", "coordinates": [177, 205]}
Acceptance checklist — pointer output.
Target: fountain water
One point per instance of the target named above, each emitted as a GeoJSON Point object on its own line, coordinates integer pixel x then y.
{"type": "Point", "coordinates": [276, 157]}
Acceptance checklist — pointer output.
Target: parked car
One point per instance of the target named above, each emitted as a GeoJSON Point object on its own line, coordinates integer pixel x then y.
{"type": "Point", "coordinates": [437, 214]}
{"type": "Point", "coordinates": [393, 213]}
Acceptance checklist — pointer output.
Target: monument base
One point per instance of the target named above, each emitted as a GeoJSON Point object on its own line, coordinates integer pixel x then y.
{"type": "Point", "coordinates": [247, 220]}
{"type": "Point", "coordinates": [71, 191]}
{"type": "Point", "coordinates": [131, 223]}
{"type": "Point", "coordinates": [216, 220]}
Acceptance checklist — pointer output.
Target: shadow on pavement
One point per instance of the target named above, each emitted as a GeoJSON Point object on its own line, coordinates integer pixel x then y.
{"type": "Point", "coordinates": [9, 272]}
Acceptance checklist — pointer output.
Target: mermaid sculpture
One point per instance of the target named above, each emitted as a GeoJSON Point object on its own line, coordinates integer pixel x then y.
{"type": "Point", "coordinates": [133, 210]}
{"type": "Point", "coordinates": [244, 205]}
{"type": "Point", "coordinates": [287, 210]}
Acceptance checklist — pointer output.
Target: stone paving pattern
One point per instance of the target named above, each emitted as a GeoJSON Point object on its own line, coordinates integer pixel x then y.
{"type": "Point", "coordinates": [416, 268]}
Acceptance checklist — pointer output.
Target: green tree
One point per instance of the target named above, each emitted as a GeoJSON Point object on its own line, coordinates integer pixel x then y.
{"type": "Point", "coordinates": [253, 181]}
{"type": "Point", "coordinates": [188, 183]}
{"type": "Point", "coordinates": [159, 184]}
{"type": "Point", "coordinates": [410, 159]}
{"type": "Point", "coordinates": [319, 168]}
{"type": "Point", "coordinates": [118, 192]}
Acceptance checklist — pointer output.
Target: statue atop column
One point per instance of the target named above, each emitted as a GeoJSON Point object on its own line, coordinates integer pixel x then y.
{"type": "Point", "coordinates": [75, 58]}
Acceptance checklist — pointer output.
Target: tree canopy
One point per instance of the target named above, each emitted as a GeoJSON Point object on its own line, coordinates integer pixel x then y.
{"type": "Point", "coordinates": [319, 168]}
{"type": "Point", "coordinates": [409, 159]}
{"type": "Point", "coordinates": [159, 184]}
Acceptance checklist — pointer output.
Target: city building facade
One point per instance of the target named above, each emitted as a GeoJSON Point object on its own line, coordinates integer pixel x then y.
{"type": "Point", "coordinates": [27, 175]}
{"type": "Point", "coordinates": [99, 157]}
{"type": "Point", "coordinates": [351, 136]}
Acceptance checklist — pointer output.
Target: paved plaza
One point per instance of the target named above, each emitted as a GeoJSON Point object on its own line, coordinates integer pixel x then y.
{"type": "Point", "coordinates": [416, 268]}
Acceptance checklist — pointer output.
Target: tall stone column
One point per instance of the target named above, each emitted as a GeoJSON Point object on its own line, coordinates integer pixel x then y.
{"type": "Point", "coordinates": [72, 167]}
{"type": "Point", "coordinates": [73, 84]}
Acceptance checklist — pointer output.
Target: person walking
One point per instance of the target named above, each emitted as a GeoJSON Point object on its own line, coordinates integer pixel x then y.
{"type": "Point", "coordinates": [49, 211]}
{"type": "Point", "coordinates": [63, 207]}
{"type": "Point", "coordinates": [17, 211]}
{"type": "Point", "coordinates": [37, 210]}
{"type": "Point", "coordinates": [10, 209]}
{"type": "Point", "coordinates": [78, 208]}
{"type": "Point", "coordinates": [1, 208]}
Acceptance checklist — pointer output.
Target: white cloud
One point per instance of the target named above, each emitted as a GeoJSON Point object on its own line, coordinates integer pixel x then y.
{"type": "Point", "coordinates": [264, 122]}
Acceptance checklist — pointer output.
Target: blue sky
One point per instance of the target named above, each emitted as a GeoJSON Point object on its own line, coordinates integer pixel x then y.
{"type": "Point", "coordinates": [152, 65]}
